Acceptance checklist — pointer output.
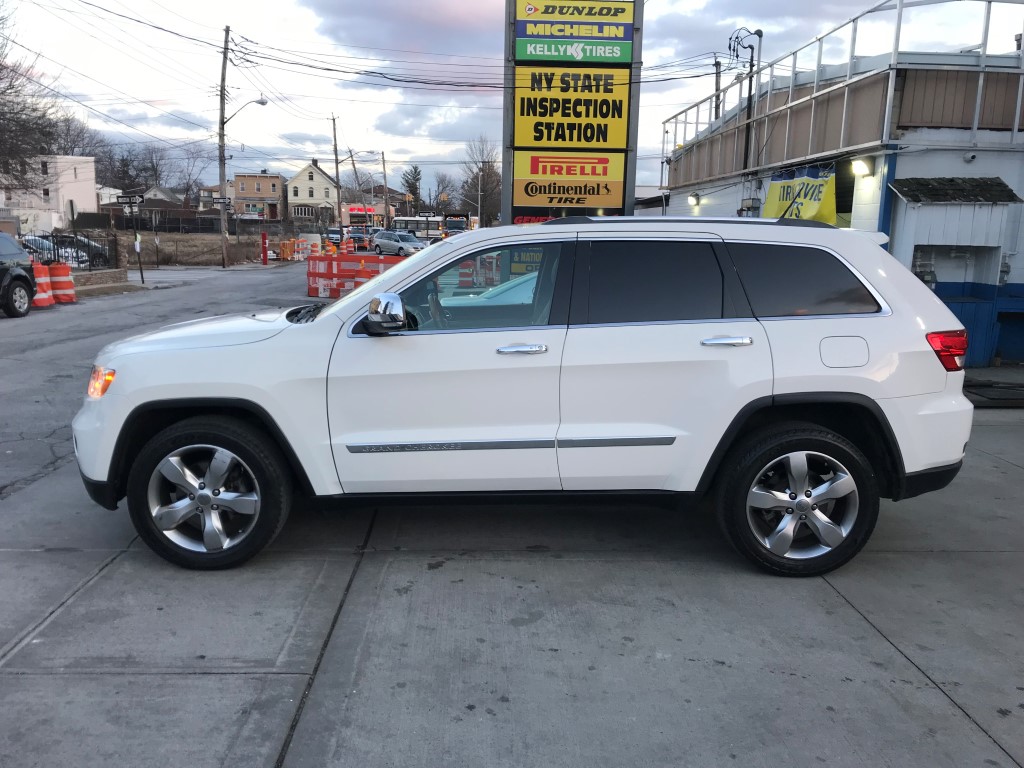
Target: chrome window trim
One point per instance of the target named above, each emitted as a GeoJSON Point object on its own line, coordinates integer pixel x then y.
{"type": "Point", "coordinates": [578, 326]}
{"type": "Point", "coordinates": [884, 309]}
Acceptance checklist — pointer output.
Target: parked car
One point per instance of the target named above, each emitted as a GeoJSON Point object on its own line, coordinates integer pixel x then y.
{"type": "Point", "coordinates": [397, 243]}
{"type": "Point", "coordinates": [97, 252]}
{"type": "Point", "coordinates": [360, 237]}
{"type": "Point", "coordinates": [794, 374]}
{"type": "Point", "coordinates": [17, 282]}
{"type": "Point", "coordinates": [334, 235]}
{"type": "Point", "coordinates": [46, 250]}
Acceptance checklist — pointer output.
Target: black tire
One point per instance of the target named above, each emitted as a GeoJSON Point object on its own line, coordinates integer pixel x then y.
{"type": "Point", "coordinates": [401, 252]}
{"type": "Point", "coordinates": [17, 301]}
{"type": "Point", "coordinates": [808, 539]}
{"type": "Point", "coordinates": [259, 471]}
{"type": "Point", "coordinates": [378, 250]}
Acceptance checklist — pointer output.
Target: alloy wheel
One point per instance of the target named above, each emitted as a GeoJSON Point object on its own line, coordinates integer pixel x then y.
{"type": "Point", "coordinates": [203, 498]}
{"type": "Point", "coordinates": [802, 505]}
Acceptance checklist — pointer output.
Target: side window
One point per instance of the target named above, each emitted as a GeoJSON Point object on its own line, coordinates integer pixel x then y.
{"type": "Point", "coordinates": [501, 288]}
{"type": "Point", "coordinates": [791, 280]}
{"type": "Point", "coordinates": [649, 281]}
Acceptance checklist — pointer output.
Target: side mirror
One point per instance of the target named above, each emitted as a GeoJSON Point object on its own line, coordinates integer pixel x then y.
{"type": "Point", "coordinates": [386, 314]}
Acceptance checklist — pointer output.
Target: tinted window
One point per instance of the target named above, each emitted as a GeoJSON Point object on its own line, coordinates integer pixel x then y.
{"type": "Point", "coordinates": [788, 280]}
{"type": "Point", "coordinates": [640, 281]}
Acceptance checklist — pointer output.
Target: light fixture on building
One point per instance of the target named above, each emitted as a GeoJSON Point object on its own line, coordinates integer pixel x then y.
{"type": "Point", "coordinates": [693, 198]}
{"type": "Point", "coordinates": [864, 166]}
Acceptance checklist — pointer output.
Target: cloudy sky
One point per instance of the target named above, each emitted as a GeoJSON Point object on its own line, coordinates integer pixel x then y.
{"type": "Point", "coordinates": [414, 80]}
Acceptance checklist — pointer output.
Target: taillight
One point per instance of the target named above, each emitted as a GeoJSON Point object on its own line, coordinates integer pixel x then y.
{"type": "Point", "coordinates": [951, 347]}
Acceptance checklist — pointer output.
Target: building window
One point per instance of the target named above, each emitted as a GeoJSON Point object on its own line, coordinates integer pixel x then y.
{"type": "Point", "coordinates": [327, 192]}
{"type": "Point", "coordinates": [75, 169]}
{"type": "Point", "coordinates": [241, 186]}
{"type": "Point", "coordinates": [45, 168]}
{"type": "Point", "coordinates": [310, 175]}
{"type": "Point", "coordinates": [295, 191]}
{"type": "Point", "coordinates": [46, 194]}
{"type": "Point", "coordinates": [258, 187]}
{"type": "Point", "coordinates": [310, 191]}
{"type": "Point", "coordinates": [273, 187]}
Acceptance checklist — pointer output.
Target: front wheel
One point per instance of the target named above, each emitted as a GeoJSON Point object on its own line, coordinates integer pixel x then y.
{"type": "Point", "coordinates": [18, 300]}
{"type": "Point", "coordinates": [797, 499]}
{"type": "Point", "coordinates": [401, 251]}
{"type": "Point", "coordinates": [209, 492]}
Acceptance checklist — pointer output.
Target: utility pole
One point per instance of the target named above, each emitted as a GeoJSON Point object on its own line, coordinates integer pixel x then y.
{"type": "Point", "coordinates": [220, 155]}
{"type": "Point", "coordinates": [718, 88]}
{"type": "Point", "coordinates": [337, 172]}
{"type": "Point", "coordinates": [355, 175]}
{"type": "Point", "coordinates": [387, 208]}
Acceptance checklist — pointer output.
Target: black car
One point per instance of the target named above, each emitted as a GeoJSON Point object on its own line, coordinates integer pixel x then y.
{"type": "Point", "coordinates": [17, 284]}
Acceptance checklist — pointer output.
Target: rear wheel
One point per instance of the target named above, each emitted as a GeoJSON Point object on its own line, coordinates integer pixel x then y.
{"type": "Point", "coordinates": [378, 250]}
{"type": "Point", "coordinates": [18, 300]}
{"type": "Point", "coordinates": [209, 492]}
{"type": "Point", "coordinates": [797, 499]}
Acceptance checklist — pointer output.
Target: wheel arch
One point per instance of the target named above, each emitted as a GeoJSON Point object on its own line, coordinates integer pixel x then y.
{"type": "Point", "coordinates": [150, 418]}
{"type": "Point", "coordinates": [856, 417]}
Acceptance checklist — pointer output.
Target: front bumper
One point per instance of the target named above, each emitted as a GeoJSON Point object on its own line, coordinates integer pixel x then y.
{"type": "Point", "coordinates": [103, 493]}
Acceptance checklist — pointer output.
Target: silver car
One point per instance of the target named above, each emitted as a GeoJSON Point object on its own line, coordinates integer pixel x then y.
{"type": "Point", "coordinates": [400, 243]}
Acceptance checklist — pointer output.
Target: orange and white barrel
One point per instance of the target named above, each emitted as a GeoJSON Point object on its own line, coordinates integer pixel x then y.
{"type": "Point", "coordinates": [62, 283]}
{"type": "Point", "coordinates": [44, 291]}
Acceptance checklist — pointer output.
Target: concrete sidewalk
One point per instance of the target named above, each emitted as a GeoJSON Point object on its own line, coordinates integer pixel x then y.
{"type": "Point", "coordinates": [519, 636]}
{"type": "Point", "coordinates": [996, 387]}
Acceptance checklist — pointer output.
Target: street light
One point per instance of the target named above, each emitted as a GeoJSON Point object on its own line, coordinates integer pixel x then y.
{"type": "Point", "coordinates": [262, 101]}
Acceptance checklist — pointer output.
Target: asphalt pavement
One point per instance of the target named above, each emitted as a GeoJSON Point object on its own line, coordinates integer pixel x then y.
{"type": "Point", "coordinates": [497, 635]}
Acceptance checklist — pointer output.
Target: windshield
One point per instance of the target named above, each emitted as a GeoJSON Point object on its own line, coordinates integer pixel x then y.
{"type": "Point", "coordinates": [407, 238]}
{"type": "Point", "coordinates": [455, 224]}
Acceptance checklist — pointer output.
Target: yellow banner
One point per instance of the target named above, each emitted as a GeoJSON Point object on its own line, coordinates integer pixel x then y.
{"type": "Point", "coordinates": [810, 194]}
{"type": "Point", "coordinates": [575, 10]}
{"type": "Point", "coordinates": [571, 107]}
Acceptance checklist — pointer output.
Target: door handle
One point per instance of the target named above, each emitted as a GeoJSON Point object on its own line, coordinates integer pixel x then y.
{"type": "Point", "coordinates": [523, 349]}
{"type": "Point", "coordinates": [727, 341]}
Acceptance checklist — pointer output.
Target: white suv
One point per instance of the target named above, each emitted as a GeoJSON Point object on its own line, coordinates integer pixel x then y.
{"type": "Point", "coordinates": [797, 373]}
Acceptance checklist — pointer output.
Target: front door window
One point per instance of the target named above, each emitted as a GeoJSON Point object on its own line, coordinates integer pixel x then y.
{"type": "Point", "coordinates": [500, 288]}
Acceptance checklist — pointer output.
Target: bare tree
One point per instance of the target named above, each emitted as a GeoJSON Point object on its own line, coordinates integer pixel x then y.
{"type": "Point", "coordinates": [447, 192]}
{"type": "Point", "coordinates": [194, 160]}
{"type": "Point", "coordinates": [73, 137]}
{"type": "Point", "coordinates": [26, 115]}
{"type": "Point", "coordinates": [156, 167]}
{"type": "Point", "coordinates": [481, 178]}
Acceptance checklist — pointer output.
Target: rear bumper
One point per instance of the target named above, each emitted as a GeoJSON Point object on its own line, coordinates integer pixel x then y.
{"type": "Point", "coordinates": [916, 483]}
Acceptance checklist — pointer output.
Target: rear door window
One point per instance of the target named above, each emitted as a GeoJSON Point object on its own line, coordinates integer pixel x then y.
{"type": "Point", "coordinates": [653, 281]}
{"type": "Point", "coordinates": [796, 280]}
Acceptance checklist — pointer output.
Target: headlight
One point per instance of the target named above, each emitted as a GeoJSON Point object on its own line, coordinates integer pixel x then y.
{"type": "Point", "coordinates": [100, 381]}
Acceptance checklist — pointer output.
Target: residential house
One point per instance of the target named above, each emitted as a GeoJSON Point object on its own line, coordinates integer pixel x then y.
{"type": "Point", "coordinates": [258, 195]}
{"type": "Point", "coordinates": [312, 195]}
{"type": "Point", "coordinates": [63, 180]}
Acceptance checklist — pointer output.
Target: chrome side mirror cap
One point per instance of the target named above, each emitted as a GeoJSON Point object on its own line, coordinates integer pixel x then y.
{"type": "Point", "coordinates": [386, 314]}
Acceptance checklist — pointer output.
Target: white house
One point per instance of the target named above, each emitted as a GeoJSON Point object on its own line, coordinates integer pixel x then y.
{"type": "Point", "coordinates": [311, 194]}
{"type": "Point", "coordinates": [64, 180]}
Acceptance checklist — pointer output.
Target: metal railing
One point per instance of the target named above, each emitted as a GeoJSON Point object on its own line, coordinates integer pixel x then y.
{"type": "Point", "coordinates": [838, 92]}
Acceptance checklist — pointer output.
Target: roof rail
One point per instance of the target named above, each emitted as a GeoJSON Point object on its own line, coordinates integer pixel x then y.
{"type": "Point", "coordinates": [695, 220]}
